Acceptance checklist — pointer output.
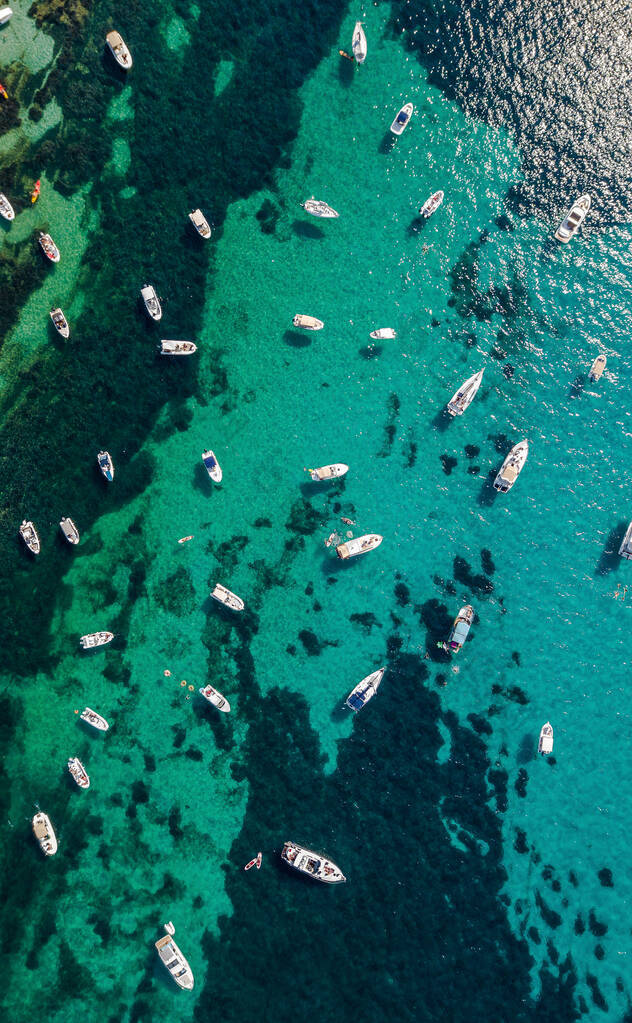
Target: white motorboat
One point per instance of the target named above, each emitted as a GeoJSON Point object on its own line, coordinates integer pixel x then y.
{"type": "Point", "coordinates": [69, 530]}
{"type": "Point", "coordinates": [431, 205]}
{"type": "Point", "coordinates": [106, 465]}
{"type": "Point", "coordinates": [48, 247]}
{"type": "Point", "coordinates": [6, 209]}
{"type": "Point", "coordinates": [383, 334]}
{"type": "Point", "coordinates": [28, 533]}
{"type": "Point", "coordinates": [307, 322]}
{"type": "Point", "coordinates": [228, 598]}
{"type": "Point", "coordinates": [358, 43]}
{"type": "Point", "coordinates": [328, 472]}
{"type": "Point", "coordinates": [168, 347]}
{"type": "Point", "coordinates": [597, 368]}
{"type": "Point", "coordinates": [460, 628]}
{"type": "Point", "coordinates": [200, 223]}
{"type": "Point", "coordinates": [512, 467]}
{"type": "Point", "coordinates": [402, 119]}
{"type": "Point", "coordinates": [78, 773]}
{"type": "Point", "coordinates": [216, 698]}
{"type": "Point", "coordinates": [465, 395]}
{"type": "Point", "coordinates": [573, 219]}
{"type": "Point", "coordinates": [44, 833]}
{"type": "Point", "coordinates": [311, 864]}
{"type": "Point", "coordinates": [92, 718]}
{"type": "Point", "coordinates": [625, 550]}
{"type": "Point", "coordinates": [60, 323]}
{"type": "Point", "coordinates": [172, 958]}
{"type": "Point", "coordinates": [5, 15]}
{"type": "Point", "coordinates": [318, 208]}
{"type": "Point", "coordinates": [119, 50]}
{"type": "Point", "coordinates": [212, 466]}
{"type": "Point", "coordinates": [365, 690]}
{"type": "Point", "coordinates": [359, 545]}
{"type": "Point", "coordinates": [94, 639]}
{"type": "Point", "coordinates": [151, 301]}
{"type": "Point", "coordinates": [545, 745]}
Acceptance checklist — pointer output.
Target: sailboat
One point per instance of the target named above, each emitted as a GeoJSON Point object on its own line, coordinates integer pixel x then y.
{"type": "Point", "coordinates": [465, 395]}
{"type": "Point", "coordinates": [358, 43]}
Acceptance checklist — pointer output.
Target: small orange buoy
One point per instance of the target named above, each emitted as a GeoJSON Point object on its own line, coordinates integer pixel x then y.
{"type": "Point", "coordinates": [76, 712]}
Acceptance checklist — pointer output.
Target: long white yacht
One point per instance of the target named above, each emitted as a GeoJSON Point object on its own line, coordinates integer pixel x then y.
{"type": "Point", "coordinates": [6, 209]}
{"type": "Point", "coordinates": [215, 697]}
{"type": "Point", "coordinates": [383, 334]}
{"type": "Point", "coordinates": [359, 545]}
{"type": "Point", "coordinates": [44, 833]}
{"type": "Point", "coordinates": [172, 347]}
{"type": "Point", "coordinates": [106, 465]}
{"type": "Point", "coordinates": [597, 368]}
{"type": "Point", "coordinates": [465, 395]}
{"type": "Point", "coordinates": [318, 208]}
{"type": "Point", "coordinates": [545, 745]}
{"type": "Point", "coordinates": [48, 247]}
{"type": "Point", "coordinates": [94, 639]}
{"type": "Point", "coordinates": [358, 43]}
{"type": "Point", "coordinates": [328, 472]}
{"type": "Point", "coordinates": [365, 690]}
{"type": "Point", "coordinates": [402, 119]}
{"type": "Point", "coordinates": [60, 323]}
{"type": "Point", "coordinates": [625, 550]}
{"type": "Point", "coordinates": [228, 598]}
{"type": "Point", "coordinates": [573, 219]}
{"type": "Point", "coordinates": [200, 223]}
{"type": "Point", "coordinates": [307, 322]}
{"type": "Point", "coordinates": [92, 718]}
{"type": "Point", "coordinates": [28, 533]}
{"type": "Point", "coordinates": [212, 466]}
{"type": "Point", "coordinates": [173, 959]}
{"type": "Point", "coordinates": [151, 302]}
{"type": "Point", "coordinates": [312, 864]}
{"type": "Point", "coordinates": [79, 773]}
{"type": "Point", "coordinates": [119, 50]}
{"type": "Point", "coordinates": [460, 628]}
{"type": "Point", "coordinates": [512, 467]}
{"type": "Point", "coordinates": [69, 530]}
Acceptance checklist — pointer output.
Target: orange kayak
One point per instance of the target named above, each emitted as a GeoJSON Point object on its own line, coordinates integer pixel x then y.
{"type": "Point", "coordinates": [3, 91]}
{"type": "Point", "coordinates": [36, 191]}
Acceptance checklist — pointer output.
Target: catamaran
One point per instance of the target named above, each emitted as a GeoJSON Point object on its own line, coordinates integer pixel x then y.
{"type": "Point", "coordinates": [44, 833]}
{"type": "Point", "coordinates": [94, 639]}
{"type": "Point", "coordinates": [328, 472]}
{"type": "Point", "coordinates": [465, 395]}
{"type": "Point", "coordinates": [215, 697]}
{"type": "Point", "coordinates": [460, 628]}
{"type": "Point", "coordinates": [512, 467]}
{"type": "Point", "coordinates": [106, 465]}
{"type": "Point", "coordinates": [318, 208]}
{"type": "Point", "coordinates": [151, 301]}
{"type": "Point", "coordinates": [28, 533]}
{"type": "Point", "coordinates": [6, 209]}
{"type": "Point", "coordinates": [119, 50]}
{"type": "Point", "coordinates": [60, 323]}
{"type": "Point", "coordinates": [92, 718]}
{"type": "Point", "coordinates": [78, 773]}
{"type": "Point", "coordinates": [212, 466]}
{"type": "Point", "coordinates": [200, 223]}
{"type": "Point", "coordinates": [311, 864]}
{"type": "Point", "coordinates": [358, 43]}
{"type": "Point", "coordinates": [359, 545]}
{"type": "Point", "coordinates": [228, 598]}
{"type": "Point", "coordinates": [365, 690]}
{"type": "Point", "coordinates": [69, 530]}
{"type": "Point", "coordinates": [172, 958]}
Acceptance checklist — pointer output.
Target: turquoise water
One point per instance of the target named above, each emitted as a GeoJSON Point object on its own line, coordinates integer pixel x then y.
{"type": "Point", "coordinates": [482, 879]}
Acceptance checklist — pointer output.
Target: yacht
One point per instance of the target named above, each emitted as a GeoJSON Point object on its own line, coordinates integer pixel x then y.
{"type": "Point", "coordinates": [358, 43]}
{"type": "Point", "coordinates": [173, 959]}
{"type": "Point", "coordinates": [48, 247]}
{"type": "Point", "coordinates": [597, 368]}
{"type": "Point", "coordinates": [78, 773]}
{"type": "Point", "coordinates": [307, 322]}
{"type": "Point", "coordinates": [364, 690]}
{"type": "Point", "coordinates": [28, 533]}
{"type": "Point", "coordinates": [93, 639]}
{"type": "Point", "coordinates": [383, 334]}
{"type": "Point", "coordinates": [625, 550]}
{"type": "Point", "coordinates": [216, 698]}
{"type": "Point", "coordinates": [92, 718]}
{"type": "Point", "coordinates": [328, 472]}
{"type": "Point", "coordinates": [152, 303]}
{"type": "Point", "coordinates": [465, 394]}
{"type": "Point", "coordinates": [431, 205]}
{"type": "Point", "coordinates": [168, 347]}
{"type": "Point", "coordinates": [359, 545]}
{"type": "Point", "coordinates": [69, 530]}
{"type": "Point", "coordinates": [402, 119]}
{"type": "Point", "coordinates": [460, 628]}
{"type": "Point", "coordinates": [6, 209]}
{"type": "Point", "coordinates": [44, 833]}
{"type": "Point", "coordinates": [119, 50]}
{"type": "Point", "coordinates": [212, 466]}
{"type": "Point", "coordinates": [512, 467]}
{"type": "Point", "coordinates": [573, 220]}
{"type": "Point", "coordinates": [318, 208]}
{"type": "Point", "coordinates": [200, 223]}
{"type": "Point", "coordinates": [106, 465]}
{"type": "Point", "coordinates": [311, 863]}
{"type": "Point", "coordinates": [228, 598]}
{"type": "Point", "coordinates": [60, 323]}
{"type": "Point", "coordinates": [545, 745]}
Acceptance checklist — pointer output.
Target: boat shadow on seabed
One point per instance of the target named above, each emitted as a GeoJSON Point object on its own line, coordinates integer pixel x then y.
{"type": "Point", "coordinates": [297, 339]}
{"type": "Point", "coordinates": [487, 494]}
{"type": "Point", "coordinates": [610, 558]}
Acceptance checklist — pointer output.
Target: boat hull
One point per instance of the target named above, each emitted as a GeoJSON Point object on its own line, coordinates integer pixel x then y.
{"type": "Point", "coordinates": [44, 833]}
{"type": "Point", "coordinates": [307, 322]}
{"type": "Point", "coordinates": [329, 472]}
{"type": "Point", "coordinates": [215, 698]}
{"type": "Point", "coordinates": [227, 598]}
{"type": "Point", "coordinates": [461, 628]}
{"type": "Point", "coordinates": [568, 229]}
{"type": "Point", "coordinates": [365, 690]}
{"type": "Point", "coordinates": [358, 43]}
{"type": "Point", "coordinates": [311, 864]}
{"type": "Point", "coordinates": [318, 208]}
{"type": "Point", "coordinates": [359, 545]}
{"type": "Point", "coordinates": [398, 124]}
{"type": "Point", "coordinates": [511, 467]}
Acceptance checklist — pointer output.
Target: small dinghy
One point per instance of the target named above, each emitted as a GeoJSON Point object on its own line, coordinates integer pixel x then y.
{"type": "Point", "coordinates": [215, 697]}
{"type": "Point", "coordinates": [402, 119]}
{"type": "Point", "coordinates": [5, 15]}
{"type": "Point", "coordinates": [307, 322]}
{"type": "Point", "coordinates": [69, 530]}
{"type": "Point", "coordinates": [48, 247]}
{"type": "Point", "coordinates": [431, 205]}
{"type": "Point", "coordinates": [254, 863]}
{"type": "Point", "coordinates": [171, 957]}
{"type": "Point", "coordinates": [359, 545]}
{"type": "Point", "coordinates": [460, 628]}
{"type": "Point", "coordinates": [465, 395]}
{"type": "Point", "coordinates": [212, 466]}
{"type": "Point", "coordinates": [318, 208]}
{"type": "Point", "coordinates": [358, 43]}
{"type": "Point", "coordinates": [545, 745]}
{"type": "Point", "coordinates": [28, 533]}
{"type": "Point", "coordinates": [94, 639]}
{"type": "Point", "coordinates": [118, 49]}
{"type": "Point", "coordinates": [200, 223]}
{"type": "Point", "coordinates": [311, 864]}
{"type": "Point", "coordinates": [6, 209]}
{"type": "Point", "coordinates": [79, 773]}
{"type": "Point", "coordinates": [512, 467]}
{"type": "Point", "coordinates": [597, 368]}
{"type": "Point", "coordinates": [95, 720]}
{"type": "Point", "coordinates": [573, 220]}
{"type": "Point", "coordinates": [60, 323]}
{"type": "Point", "coordinates": [365, 690]}
{"type": "Point", "coordinates": [383, 334]}
{"type": "Point", "coordinates": [168, 347]}
{"type": "Point", "coordinates": [106, 465]}
{"type": "Point", "coordinates": [228, 598]}
{"type": "Point", "coordinates": [625, 550]}
{"type": "Point", "coordinates": [151, 301]}
{"type": "Point", "coordinates": [44, 833]}
{"type": "Point", "coordinates": [328, 472]}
